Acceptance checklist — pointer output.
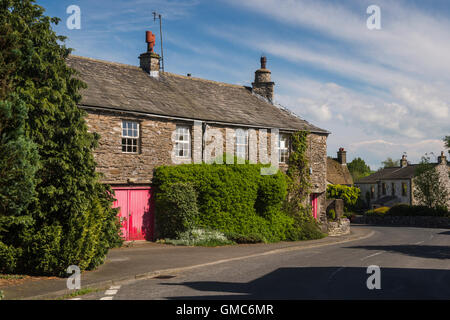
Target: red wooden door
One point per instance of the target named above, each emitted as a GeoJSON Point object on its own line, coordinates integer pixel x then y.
{"type": "Point", "coordinates": [122, 203]}
{"type": "Point", "coordinates": [136, 212]}
{"type": "Point", "coordinates": [314, 204]}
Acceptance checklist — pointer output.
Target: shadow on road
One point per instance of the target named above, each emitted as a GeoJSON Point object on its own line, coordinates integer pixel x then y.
{"type": "Point", "coordinates": [422, 251]}
{"type": "Point", "coordinates": [328, 283]}
{"type": "Point", "coordinates": [445, 232]}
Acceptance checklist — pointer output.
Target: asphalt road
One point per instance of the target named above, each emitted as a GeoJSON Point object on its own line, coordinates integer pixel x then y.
{"type": "Point", "coordinates": [414, 264]}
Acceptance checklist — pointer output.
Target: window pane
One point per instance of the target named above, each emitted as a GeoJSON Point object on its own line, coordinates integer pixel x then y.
{"type": "Point", "coordinates": [283, 144]}
{"type": "Point", "coordinates": [183, 143]}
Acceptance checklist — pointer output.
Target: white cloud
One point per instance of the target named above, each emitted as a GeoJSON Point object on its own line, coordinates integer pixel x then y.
{"type": "Point", "coordinates": [379, 150]}
{"type": "Point", "coordinates": [404, 71]}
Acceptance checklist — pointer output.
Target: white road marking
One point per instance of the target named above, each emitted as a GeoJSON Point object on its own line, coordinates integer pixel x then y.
{"type": "Point", "coordinates": [75, 299]}
{"type": "Point", "coordinates": [419, 242]}
{"type": "Point", "coordinates": [110, 293]}
{"type": "Point", "coordinates": [114, 287]}
{"type": "Point", "coordinates": [372, 255]}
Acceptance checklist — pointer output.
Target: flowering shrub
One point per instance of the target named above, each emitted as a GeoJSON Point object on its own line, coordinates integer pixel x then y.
{"type": "Point", "coordinates": [381, 211]}
{"type": "Point", "coordinates": [200, 237]}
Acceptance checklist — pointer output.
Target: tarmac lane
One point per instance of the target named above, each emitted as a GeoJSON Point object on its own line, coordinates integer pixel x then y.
{"type": "Point", "coordinates": [413, 263]}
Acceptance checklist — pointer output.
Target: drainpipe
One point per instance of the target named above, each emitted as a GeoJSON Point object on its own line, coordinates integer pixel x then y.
{"type": "Point", "coordinates": [204, 128]}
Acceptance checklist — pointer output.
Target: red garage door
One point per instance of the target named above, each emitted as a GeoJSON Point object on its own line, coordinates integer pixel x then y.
{"type": "Point", "coordinates": [314, 204]}
{"type": "Point", "coordinates": [136, 212]}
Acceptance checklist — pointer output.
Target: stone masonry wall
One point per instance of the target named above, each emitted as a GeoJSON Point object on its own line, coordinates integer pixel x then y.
{"type": "Point", "coordinates": [123, 168]}
{"type": "Point", "coordinates": [317, 154]}
{"type": "Point", "coordinates": [156, 146]}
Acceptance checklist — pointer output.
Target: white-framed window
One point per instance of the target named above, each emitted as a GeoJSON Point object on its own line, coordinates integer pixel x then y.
{"type": "Point", "coordinates": [183, 142]}
{"type": "Point", "coordinates": [283, 148]}
{"type": "Point", "coordinates": [241, 145]}
{"type": "Point", "coordinates": [130, 136]}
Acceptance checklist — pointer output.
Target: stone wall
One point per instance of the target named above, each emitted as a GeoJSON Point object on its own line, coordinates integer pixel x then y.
{"type": "Point", "coordinates": [155, 149]}
{"type": "Point", "coordinates": [122, 168]}
{"type": "Point", "coordinates": [338, 228]}
{"type": "Point", "coordinates": [337, 205]}
{"type": "Point", "coordinates": [317, 154]}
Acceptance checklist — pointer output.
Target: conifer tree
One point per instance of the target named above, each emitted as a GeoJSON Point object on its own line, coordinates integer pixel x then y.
{"type": "Point", "coordinates": [73, 223]}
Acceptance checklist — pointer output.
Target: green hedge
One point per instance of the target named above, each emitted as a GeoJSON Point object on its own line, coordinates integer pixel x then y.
{"type": "Point", "coordinates": [233, 199]}
{"type": "Point", "coordinates": [349, 195]}
{"type": "Point", "coordinates": [179, 204]}
{"type": "Point", "coordinates": [416, 211]}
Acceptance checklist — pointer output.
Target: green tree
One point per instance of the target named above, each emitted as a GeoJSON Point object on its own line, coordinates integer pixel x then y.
{"type": "Point", "coordinates": [349, 195]}
{"type": "Point", "coordinates": [73, 222]}
{"type": "Point", "coordinates": [358, 169]}
{"type": "Point", "coordinates": [429, 189]}
{"type": "Point", "coordinates": [389, 163]}
{"type": "Point", "coordinates": [18, 165]}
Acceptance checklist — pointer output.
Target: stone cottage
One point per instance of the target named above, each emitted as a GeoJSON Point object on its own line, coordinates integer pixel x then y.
{"type": "Point", "coordinates": [147, 118]}
{"type": "Point", "coordinates": [337, 171]}
{"type": "Point", "coordinates": [390, 186]}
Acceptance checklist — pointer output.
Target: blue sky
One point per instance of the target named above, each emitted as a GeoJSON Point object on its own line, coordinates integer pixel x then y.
{"type": "Point", "coordinates": [380, 92]}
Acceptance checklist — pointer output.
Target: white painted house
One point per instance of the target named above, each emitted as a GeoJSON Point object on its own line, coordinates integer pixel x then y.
{"type": "Point", "coordinates": [390, 186]}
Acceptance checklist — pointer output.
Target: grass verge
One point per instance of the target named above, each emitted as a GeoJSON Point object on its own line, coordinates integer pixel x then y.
{"type": "Point", "coordinates": [78, 293]}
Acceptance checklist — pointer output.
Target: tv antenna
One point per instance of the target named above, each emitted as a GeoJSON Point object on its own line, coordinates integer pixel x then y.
{"type": "Point", "coordinates": [158, 16]}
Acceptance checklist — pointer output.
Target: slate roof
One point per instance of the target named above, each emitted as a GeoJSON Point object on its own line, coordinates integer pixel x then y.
{"type": "Point", "coordinates": [128, 88]}
{"type": "Point", "coordinates": [390, 174]}
{"type": "Point", "coordinates": [338, 173]}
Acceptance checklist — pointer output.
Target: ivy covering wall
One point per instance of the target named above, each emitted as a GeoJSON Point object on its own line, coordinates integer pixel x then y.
{"type": "Point", "coordinates": [230, 198]}
{"type": "Point", "coordinates": [236, 198]}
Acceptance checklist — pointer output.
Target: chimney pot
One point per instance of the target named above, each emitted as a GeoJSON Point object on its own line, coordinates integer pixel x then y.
{"type": "Point", "coordinates": [149, 61]}
{"type": "Point", "coordinates": [442, 159]}
{"type": "Point", "coordinates": [263, 62]}
{"type": "Point", "coordinates": [403, 161]}
{"type": "Point", "coordinates": [263, 85]}
{"type": "Point", "coordinates": [342, 156]}
{"type": "Point", "coordinates": [150, 39]}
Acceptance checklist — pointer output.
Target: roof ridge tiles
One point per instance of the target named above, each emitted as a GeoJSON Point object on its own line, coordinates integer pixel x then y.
{"type": "Point", "coordinates": [118, 64]}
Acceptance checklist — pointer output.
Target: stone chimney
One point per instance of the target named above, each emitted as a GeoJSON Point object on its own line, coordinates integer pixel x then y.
{"type": "Point", "coordinates": [342, 156]}
{"type": "Point", "coordinates": [263, 85]}
{"type": "Point", "coordinates": [149, 61]}
{"type": "Point", "coordinates": [442, 159]}
{"type": "Point", "coordinates": [403, 162]}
